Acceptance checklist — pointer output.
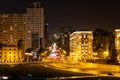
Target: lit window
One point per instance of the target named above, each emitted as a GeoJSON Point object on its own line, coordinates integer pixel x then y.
{"type": "Point", "coordinates": [82, 47]}
{"type": "Point", "coordinates": [11, 28]}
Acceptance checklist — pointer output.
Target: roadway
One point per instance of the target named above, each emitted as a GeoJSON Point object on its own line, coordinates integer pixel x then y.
{"type": "Point", "coordinates": [60, 68]}
{"type": "Point", "coordinates": [38, 69]}
{"type": "Point", "coordinates": [85, 67]}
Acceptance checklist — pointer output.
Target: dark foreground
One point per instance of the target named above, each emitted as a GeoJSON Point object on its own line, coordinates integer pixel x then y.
{"type": "Point", "coordinates": [41, 72]}
{"type": "Point", "coordinates": [36, 70]}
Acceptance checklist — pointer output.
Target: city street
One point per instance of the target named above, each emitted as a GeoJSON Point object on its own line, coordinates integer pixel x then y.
{"type": "Point", "coordinates": [91, 68]}
{"type": "Point", "coordinates": [37, 69]}
{"type": "Point", "coordinates": [58, 69]}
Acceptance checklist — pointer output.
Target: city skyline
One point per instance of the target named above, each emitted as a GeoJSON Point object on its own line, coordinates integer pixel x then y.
{"type": "Point", "coordinates": [70, 39]}
{"type": "Point", "coordinates": [79, 14]}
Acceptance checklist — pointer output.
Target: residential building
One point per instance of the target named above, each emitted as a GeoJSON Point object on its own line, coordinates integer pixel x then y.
{"type": "Point", "coordinates": [117, 44]}
{"type": "Point", "coordinates": [81, 44]}
{"type": "Point", "coordinates": [12, 28]}
{"type": "Point", "coordinates": [117, 39]}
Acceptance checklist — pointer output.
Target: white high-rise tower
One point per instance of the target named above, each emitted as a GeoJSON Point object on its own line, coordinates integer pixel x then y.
{"type": "Point", "coordinates": [35, 26]}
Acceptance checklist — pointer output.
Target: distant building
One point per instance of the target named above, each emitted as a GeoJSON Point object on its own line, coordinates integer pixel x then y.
{"type": "Point", "coordinates": [81, 44]}
{"type": "Point", "coordinates": [65, 34]}
{"type": "Point", "coordinates": [46, 36]}
{"type": "Point", "coordinates": [102, 43]}
{"type": "Point", "coordinates": [35, 26]}
{"type": "Point", "coordinates": [11, 54]}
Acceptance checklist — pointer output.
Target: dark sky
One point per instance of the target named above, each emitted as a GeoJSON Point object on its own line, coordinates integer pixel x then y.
{"type": "Point", "coordinates": [79, 14]}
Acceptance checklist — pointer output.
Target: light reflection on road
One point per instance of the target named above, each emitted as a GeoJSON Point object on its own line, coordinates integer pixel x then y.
{"type": "Point", "coordinates": [83, 67]}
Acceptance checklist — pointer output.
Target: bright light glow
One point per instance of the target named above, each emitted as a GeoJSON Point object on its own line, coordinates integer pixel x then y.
{"type": "Point", "coordinates": [5, 77]}
{"type": "Point", "coordinates": [117, 29]}
{"type": "Point", "coordinates": [54, 52]}
{"type": "Point", "coordinates": [53, 55]}
{"type": "Point", "coordinates": [74, 70]}
{"type": "Point", "coordinates": [118, 35]}
{"type": "Point", "coordinates": [117, 42]}
{"type": "Point", "coordinates": [29, 54]}
{"type": "Point", "coordinates": [105, 54]}
{"type": "Point", "coordinates": [95, 53]}
{"type": "Point", "coordinates": [10, 55]}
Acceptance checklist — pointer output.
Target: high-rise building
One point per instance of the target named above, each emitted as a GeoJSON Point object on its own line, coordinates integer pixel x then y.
{"type": "Point", "coordinates": [81, 44]}
{"type": "Point", "coordinates": [35, 26]}
{"type": "Point", "coordinates": [12, 28]}
{"type": "Point", "coordinates": [23, 30]}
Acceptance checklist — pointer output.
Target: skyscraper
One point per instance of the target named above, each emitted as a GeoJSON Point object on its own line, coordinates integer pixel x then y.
{"type": "Point", "coordinates": [35, 26]}
{"type": "Point", "coordinates": [23, 30]}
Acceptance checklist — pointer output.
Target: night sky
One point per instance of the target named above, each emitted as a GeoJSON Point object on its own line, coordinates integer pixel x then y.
{"type": "Point", "coordinates": [79, 14]}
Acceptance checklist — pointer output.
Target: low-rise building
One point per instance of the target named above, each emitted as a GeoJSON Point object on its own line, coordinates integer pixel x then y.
{"type": "Point", "coordinates": [11, 54]}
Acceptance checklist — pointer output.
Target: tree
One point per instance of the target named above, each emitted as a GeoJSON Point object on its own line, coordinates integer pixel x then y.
{"type": "Point", "coordinates": [20, 44]}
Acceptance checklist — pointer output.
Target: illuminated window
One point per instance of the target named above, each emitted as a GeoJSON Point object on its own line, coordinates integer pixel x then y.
{"type": "Point", "coordinates": [82, 47]}
{"type": "Point", "coordinates": [84, 36]}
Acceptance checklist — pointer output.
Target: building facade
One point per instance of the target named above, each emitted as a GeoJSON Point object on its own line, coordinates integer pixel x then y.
{"type": "Point", "coordinates": [25, 30]}
{"type": "Point", "coordinates": [117, 39]}
{"type": "Point", "coordinates": [11, 54]}
{"type": "Point", "coordinates": [35, 26]}
{"type": "Point", "coordinates": [117, 43]}
{"type": "Point", "coordinates": [81, 44]}
{"type": "Point", "coordinates": [12, 28]}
